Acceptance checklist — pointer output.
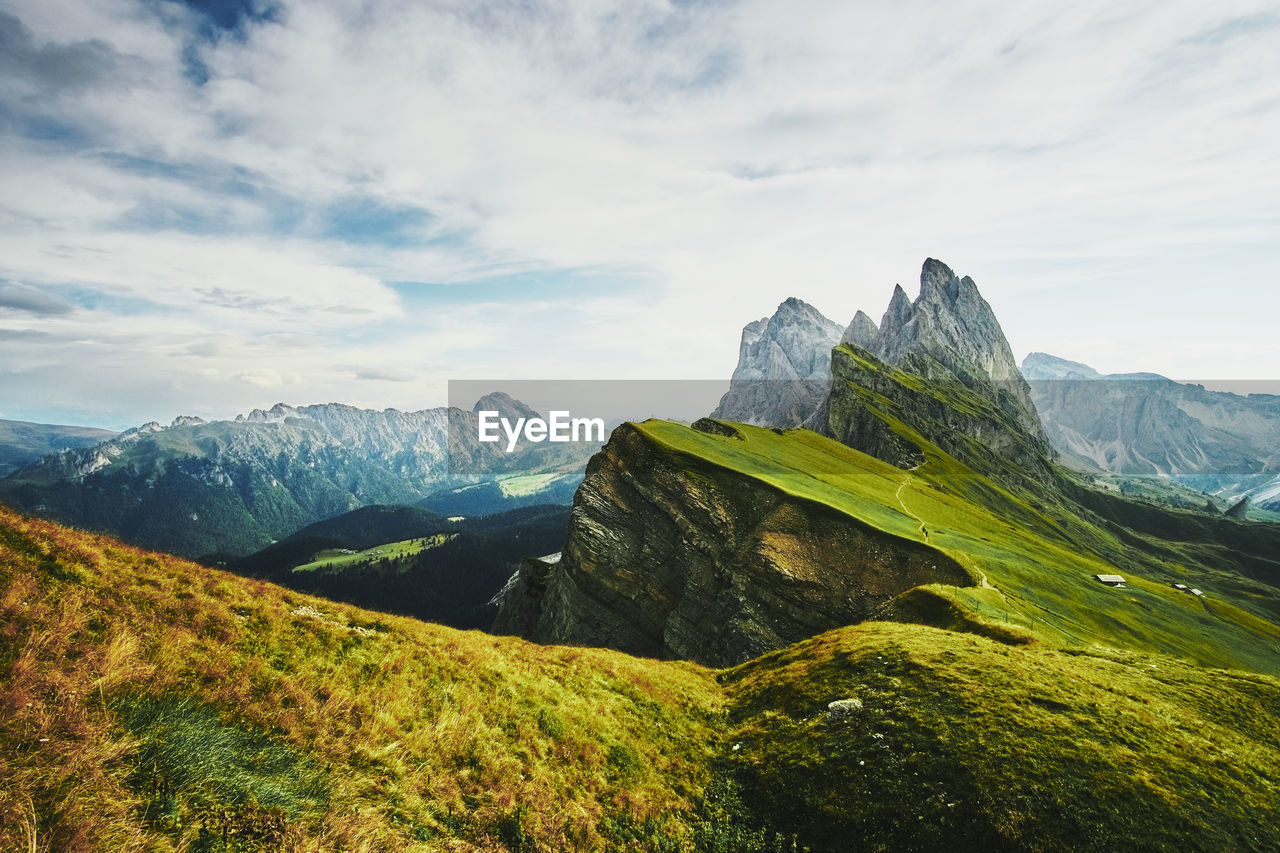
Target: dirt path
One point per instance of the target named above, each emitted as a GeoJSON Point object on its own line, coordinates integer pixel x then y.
{"type": "Point", "coordinates": [907, 512]}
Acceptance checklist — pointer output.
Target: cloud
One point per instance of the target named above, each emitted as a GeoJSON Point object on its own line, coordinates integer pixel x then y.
{"type": "Point", "coordinates": [611, 187]}
{"type": "Point", "coordinates": [20, 297]}
{"type": "Point", "coordinates": [223, 281]}
{"type": "Point", "coordinates": [51, 68]}
{"type": "Point", "coordinates": [382, 374]}
{"type": "Point", "coordinates": [266, 378]}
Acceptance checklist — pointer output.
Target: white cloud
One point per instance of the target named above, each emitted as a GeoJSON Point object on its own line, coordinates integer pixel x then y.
{"type": "Point", "coordinates": [1096, 155]}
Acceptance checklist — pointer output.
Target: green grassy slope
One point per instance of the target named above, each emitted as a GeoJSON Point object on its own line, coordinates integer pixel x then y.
{"type": "Point", "coordinates": [955, 743]}
{"type": "Point", "coordinates": [337, 559]}
{"type": "Point", "coordinates": [147, 703]}
{"type": "Point", "coordinates": [1033, 565]}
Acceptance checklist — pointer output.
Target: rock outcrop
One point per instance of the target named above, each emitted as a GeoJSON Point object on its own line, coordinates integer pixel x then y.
{"type": "Point", "coordinates": [784, 367]}
{"type": "Point", "coordinates": [671, 557]}
{"type": "Point", "coordinates": [1240, 509]}
{"type": "Point", "coordinates": [1144, 424]}
{"type": "Point", "coordinates": [941, 369]}
{"type": "Point", "coordinates": [862, 330]}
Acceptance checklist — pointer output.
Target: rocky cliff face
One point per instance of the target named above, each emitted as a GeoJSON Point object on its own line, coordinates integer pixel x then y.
{"type": "Point", "coordinates": [939, 368]}
{"type": "Point", "coordinates": [784, 367]}
{"type": "Point", "coordinates": [954, 326]}
{"type": "Point", "coordinates": [1143, 424]}
{"type": "Point", "coordinates": [668, 558]}
{"type": "Point", "coordinates": [883, 411]}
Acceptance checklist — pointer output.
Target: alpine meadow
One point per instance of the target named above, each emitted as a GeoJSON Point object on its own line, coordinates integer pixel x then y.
{"type": "Point", "coordinates": [376, 474]}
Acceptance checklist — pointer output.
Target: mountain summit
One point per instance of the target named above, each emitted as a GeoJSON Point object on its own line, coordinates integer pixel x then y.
{"type": "Point", "coordinates": [784, 367]}
{"type": "Point", "coordinates": [973, 402]}
{"type": "Point", "coordinates": [949, 333]}
{"type": "Point", "coordinates": [952, 324]}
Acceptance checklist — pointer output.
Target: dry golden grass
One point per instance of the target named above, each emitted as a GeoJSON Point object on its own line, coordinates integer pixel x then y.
{"type": "Point", "coordinates": [150, 704]}
{"type": "Point", "coordinates": [417, 736]}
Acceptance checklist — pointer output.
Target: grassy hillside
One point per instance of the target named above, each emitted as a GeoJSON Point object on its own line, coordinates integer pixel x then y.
{"type": "Point", "coordinates": [341, 558]}
{"type": "Point", "coordinates": [953, 742]}
{"type": "Point", "coordinates": [22, 442]}
{"type": "Point", "coordinates": [1033, 564]}
{"type": "Point", "coordinates": [148, 703]}
{"type": "Point", "coordinates": [411, 562]}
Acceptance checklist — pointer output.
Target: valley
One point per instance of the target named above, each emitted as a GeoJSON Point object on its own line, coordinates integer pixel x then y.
{"type": "Point", "coordinates": [151, 703]}
{"type": "Point", "coordinates": [873, 603]}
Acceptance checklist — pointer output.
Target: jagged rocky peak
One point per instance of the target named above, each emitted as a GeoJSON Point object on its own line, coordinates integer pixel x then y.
{"type": "Point", "coordinates": [148, 427]}
{"type": "Point", "coordinates": [950, 332]}
{"type": "Point", "coordinates": [784, 367]}
{"type": "Point", "coordinates": [795, 343]}
{"type": "Point", "coordinates": [276, 414]}
{"type": "Point", "coordinates": [896, 316]}
{"type": "Point", "coordinates": [950, 321]}
{"type": "Point", "coordinates": [974, 404]}
{"type": "Point", "coordinates": [187, 420]}
{"type": "Point", "coordinates": [1041, 365]}
{"type": "Point", "coordinates": [506, 405]}
{"type": "Point", "coordinates": [862, 331]}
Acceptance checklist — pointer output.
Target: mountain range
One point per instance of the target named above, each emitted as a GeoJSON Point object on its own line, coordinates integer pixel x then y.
{"type": "Point", "coordinates": [933, 495]}
{"type": "Point", "coordinates": [903, 625]}
{"type": "Point", "coordinates": [1143, 424]}
{"type": "Point", "coordinates": [22, 442]}
{"type": "Point", "coordinates": [231, 487]}
{"type": "Point", "coordinates": [784, 365]}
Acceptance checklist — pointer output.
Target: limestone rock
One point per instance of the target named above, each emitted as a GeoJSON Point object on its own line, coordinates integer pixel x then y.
{"type": "Point", "coordinates": [784, 367]}
{"type": "Point", "coordinates": [862, 330]}
{"type": "Point", "coordinates": [706, 564]}
{"type": "Point", "coordinates": [842, 709]}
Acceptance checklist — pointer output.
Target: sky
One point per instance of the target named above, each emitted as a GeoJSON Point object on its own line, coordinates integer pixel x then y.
{"type": "Point", "coordinates": [216, 205]}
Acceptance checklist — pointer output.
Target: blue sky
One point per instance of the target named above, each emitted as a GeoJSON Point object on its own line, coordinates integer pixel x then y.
{"type": "Point", "coordinates": [207, 207]}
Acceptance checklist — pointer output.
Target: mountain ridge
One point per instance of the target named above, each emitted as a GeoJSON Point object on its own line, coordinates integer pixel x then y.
{"type": "Point", "coordinates": [1144, 424]}
{"type": "Point", "coordinates": [702, 540]}
{"type": "Point", "coordinates": [232, 486]}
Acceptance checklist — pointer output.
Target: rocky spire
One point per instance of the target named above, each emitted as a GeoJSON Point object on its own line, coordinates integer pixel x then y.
{"type": "Point", "coordinates": [784, 367]}
{"type": "Point", "coordinates": [862, 331]}
{"type": "Point", "coordinates": [896, 317]}
{"type": "Point", "coordinates": [954, 326]}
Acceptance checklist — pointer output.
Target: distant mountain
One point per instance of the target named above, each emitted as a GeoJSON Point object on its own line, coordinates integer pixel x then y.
{"type": "Point", "coordinates": [784, 367]}
{"type": "Point", "coordinates": [22, 442]}
{"type": "Point", "coordinates": [234, 486]}
{"type": "Point", "coordinates": [1143, 424]}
